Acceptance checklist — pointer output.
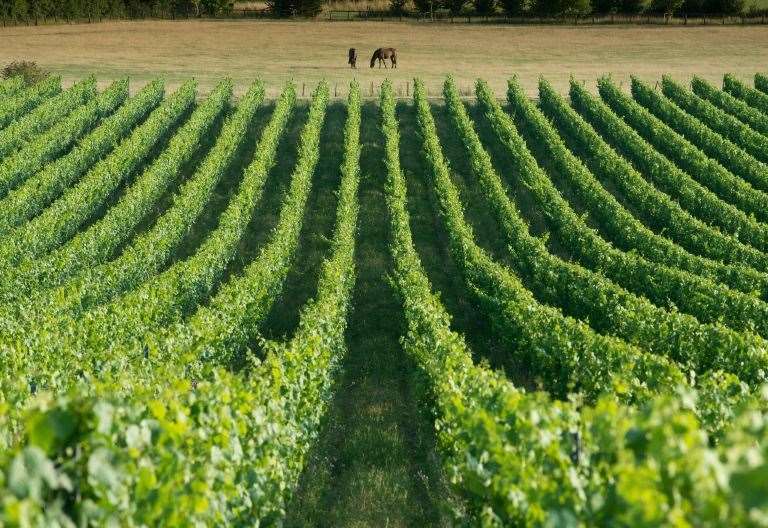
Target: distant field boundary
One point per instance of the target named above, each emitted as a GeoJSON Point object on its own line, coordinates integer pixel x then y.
{"type": "Point", "coordinates": [579, 20]}
{"type": "Point", "coordinates": [446, 17]}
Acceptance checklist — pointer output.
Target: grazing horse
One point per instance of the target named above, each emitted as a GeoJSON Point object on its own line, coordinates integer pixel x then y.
{"type": "Point", "coordinates": [382, 54]}
{"type": "Point", "coordinates": [352, 57]}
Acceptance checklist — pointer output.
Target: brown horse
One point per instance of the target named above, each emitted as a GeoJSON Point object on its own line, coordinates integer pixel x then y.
{"type": "Point", "coordinates": [382, 54]}
{"type": "Point", "coordinates": [352, 61]}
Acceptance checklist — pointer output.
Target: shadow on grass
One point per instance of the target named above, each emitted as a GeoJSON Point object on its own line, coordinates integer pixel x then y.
{"type": "Point", "coordinates": [317, 230]}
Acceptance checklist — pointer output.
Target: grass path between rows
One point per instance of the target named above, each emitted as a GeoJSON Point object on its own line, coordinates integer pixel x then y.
{"type": "Point", "coordinates": [375, 463]}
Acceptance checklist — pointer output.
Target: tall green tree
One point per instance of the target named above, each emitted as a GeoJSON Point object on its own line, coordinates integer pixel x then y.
{"type": "Point", "coordinates": [427, 7]}
{"type": "Point", "coordinates": [19, 10]}
{"type": "Point", "coordinates": [631, 7]}
{"type": "Point", "coordinates": [515, 8]}
{"type": "Point", "coordinates": [484, 7]}
{"type": "Point", "coordinates": [455, 7]}
{"type": "Point", "coordinates": [665, 7]}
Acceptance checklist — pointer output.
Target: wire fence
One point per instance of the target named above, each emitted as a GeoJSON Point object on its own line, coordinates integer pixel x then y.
{"type": "Point", "coordinates": [591, 19]}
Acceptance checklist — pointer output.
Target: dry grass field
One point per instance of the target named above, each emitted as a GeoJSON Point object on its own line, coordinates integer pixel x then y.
{"type": "Point", "coordinates": [310, 50]}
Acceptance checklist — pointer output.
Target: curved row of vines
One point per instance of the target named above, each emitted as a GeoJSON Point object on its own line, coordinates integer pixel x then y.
{"type": "Point", "coordinates": [137, 387]}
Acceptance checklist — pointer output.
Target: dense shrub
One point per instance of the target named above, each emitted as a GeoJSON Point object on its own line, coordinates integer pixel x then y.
{"type": "Point", "coordinates": [31, 72]}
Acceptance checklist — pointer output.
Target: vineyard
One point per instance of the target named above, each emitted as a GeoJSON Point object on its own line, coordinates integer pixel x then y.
{"type": "Point", "coordinates": [210, 306]}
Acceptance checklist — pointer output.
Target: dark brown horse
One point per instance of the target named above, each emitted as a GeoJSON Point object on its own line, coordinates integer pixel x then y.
{"type": "Point", "coordinates": [382, 54]}
{"type": "Point", "coordinates": [352, 57]}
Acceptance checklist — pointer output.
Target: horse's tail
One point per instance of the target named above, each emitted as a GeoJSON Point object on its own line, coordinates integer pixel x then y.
{"type": "Point", "coordinates": [375, 56]}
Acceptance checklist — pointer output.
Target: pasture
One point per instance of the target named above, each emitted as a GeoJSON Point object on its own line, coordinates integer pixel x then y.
{"type": "Point", "coordinates": [307, 51]}
{"type": "Point", "coordinates": [472, 301]}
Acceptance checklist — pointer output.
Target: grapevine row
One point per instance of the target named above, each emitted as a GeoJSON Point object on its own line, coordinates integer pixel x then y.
{"type": "Point", "coordinates": [754, 98]}
{"type": "Point", "coordinates": [33, 319]}
{"type": "Point", "coordinates": [701, 150]}
{"type": "Point", "coordinates": [46, 115]}
{"type": "Point", "coordinates": [734, 135]}
{"type": "Point", "coordinates": [735, 107]}
{"type": "Point", "coordinates": [98, 243]}
{"type": "Point", "coordinates": [587, 295]}
{"type": "Point", "coordinates": [573, 358]}
{"type": "Point", "coordinates": [523, 459]}
{"type": "Point", "coordinates": [39, 190]}
{"type": "Point", "coordinates": [656, 152]}
{"type": "Point", "coordinates": [617, 222]}
{"type": "Point", "coordinates": [47, 147]}
{"type": "Point", "coordinates": [662, 212]}
{"type": "Point", "coordinates": [12, 108]}
{"type": "Point", "coordinates": [223, 327]}
{"type": "Point", "coordinates": [256, 466]}
{"type": "Point", "coordinates": [664, 285]}
{"type": "Point", "coordinates": [62, 219]}
{"type": "Point", "coordinates": [761, 83]}
{"type": "Point", "coordinates": [152, 250]}
{"type": "Point", "coordinates": [166, 298]}
{"type": "Point", "coordinates": [9, 87]}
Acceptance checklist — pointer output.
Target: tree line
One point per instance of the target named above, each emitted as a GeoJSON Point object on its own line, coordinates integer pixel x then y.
{"type": "Point", "coordinates": [34, 11]}
{"type": "Point", "coordinates": [39, 10]}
